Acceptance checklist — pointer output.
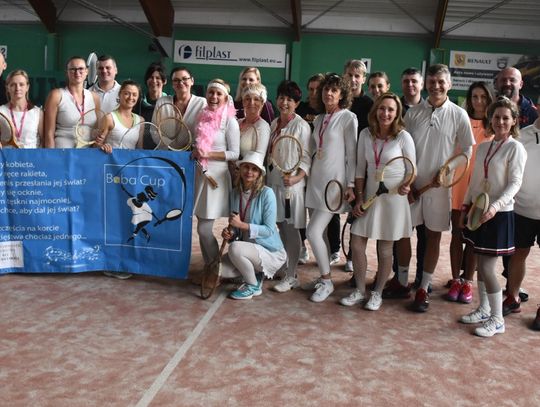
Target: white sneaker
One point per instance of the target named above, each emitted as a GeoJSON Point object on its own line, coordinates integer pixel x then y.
{"type": "Point", "coordinates": [490, 327]}
{"type": "Point", "coordinates": [287, 284]}
{"type": "Point", "coordinates": [349, 267]}
{"type": "Point", "coordinates": [304, 255]}
{"type": "Point", "coordinates": [311, 285]}
{"type": "Point", "coordinates": [354, 298]}
{"type": "Point", "coordinates": [475, 317]}
{"type": "Point", "coordinates": [322, 290]}
{"type": "Point", "coordinates": [374, 302]}
{"type": "Point", "coordinates": [335, 258]}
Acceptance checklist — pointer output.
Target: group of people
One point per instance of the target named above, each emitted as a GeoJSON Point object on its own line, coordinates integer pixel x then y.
{"type": "Point", "coordinates": [276, 198]}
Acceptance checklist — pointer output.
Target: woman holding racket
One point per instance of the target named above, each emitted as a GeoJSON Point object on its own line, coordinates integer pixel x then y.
{"type": "Point", "coordinates": [121, 129]}
{"type": "Point", "coordinates": [497, 173]}
{"type": "Point", "coordinates": [289, 186]}
{"type": "Point", "coordinates": [27, 119]}
{"type": "Point", "coordinates": [251, 76]}
{"type": "Point", "coordinates": [217, 141]}
{"type": "Point", "coordinates": [333, 148]}
{"type": "Point", "coordinates": [183, 103]}
{"type": "Point", "coordinates": [388, 219]}
{"type": "Point", "coordinates": [478, 99]}
{"type": "Point", "coordinates": [256, 246]}
{"type": "Point", "coordinates": [65, 107]}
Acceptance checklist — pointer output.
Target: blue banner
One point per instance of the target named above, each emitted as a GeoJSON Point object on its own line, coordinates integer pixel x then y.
{"type": "Point", "coordinates": [72, 211]}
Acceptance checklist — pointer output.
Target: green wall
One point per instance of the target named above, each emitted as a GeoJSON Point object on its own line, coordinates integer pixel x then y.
{"type": "Point", "coordinates": [43, 55]}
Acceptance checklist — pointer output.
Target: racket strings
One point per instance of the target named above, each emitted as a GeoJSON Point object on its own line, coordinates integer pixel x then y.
{"type": "Point", "coordinates": [7, 130]}
{"type": "Point", "coordinates": [286, 154]}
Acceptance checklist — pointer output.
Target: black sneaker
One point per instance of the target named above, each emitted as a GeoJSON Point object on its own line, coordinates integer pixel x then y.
{"type": "Point", "coordinates": [523, 295]}
{"type": "Point", "coordinates": [536, 323]}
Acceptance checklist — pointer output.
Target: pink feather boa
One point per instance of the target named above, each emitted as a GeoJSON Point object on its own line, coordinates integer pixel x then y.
{"type": "Point", "coordinates": [208, 127]}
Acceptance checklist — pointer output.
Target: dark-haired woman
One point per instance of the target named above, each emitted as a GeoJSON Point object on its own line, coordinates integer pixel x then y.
{"type": "Point", "coordinates": [291, 124]}
{"type": "Point", "coordinates": [333, 148]}
{"type": "Point", "coordinates": [189, 105]}
{"type": "Point", "coordinates": [478, 99]}
{"type": "Point", "coordinates": [155, 79]}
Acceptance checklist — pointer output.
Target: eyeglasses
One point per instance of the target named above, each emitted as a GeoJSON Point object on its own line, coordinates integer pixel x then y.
{"type": "Point", "coordinates": [80, 69]}
{"type": "Point", "coordinates": [184, 80]}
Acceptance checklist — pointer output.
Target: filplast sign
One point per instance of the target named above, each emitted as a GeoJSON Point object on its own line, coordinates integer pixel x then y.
{"type": "Point", "coordinates": [229, 53]}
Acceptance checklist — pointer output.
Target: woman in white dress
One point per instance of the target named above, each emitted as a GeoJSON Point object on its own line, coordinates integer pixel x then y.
{"type": "Point", "coordinates": [187, 104]}
{"type": "Point", "coordinates": [26, 118]}
{"type": "Point", "coordinates": [333, 148]}
{"type": "Point", "coordinates": [65, 106]}
{"type": "Point", "coordinates": [289, 123]}
{"type": "Point", "coordinates": [254, 130]}
{"type": "Point", "coordinates": [217, 141]}
{"type": "Point", "coordinates": [120, 128]}
{"type": "Point", "coordinates": [388, 219]}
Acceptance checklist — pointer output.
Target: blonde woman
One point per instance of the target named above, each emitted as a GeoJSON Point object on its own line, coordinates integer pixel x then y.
{"type": "Point", "coordinates": [251, 76]}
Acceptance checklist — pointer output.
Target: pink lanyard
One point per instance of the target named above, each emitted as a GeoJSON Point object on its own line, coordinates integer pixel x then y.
{"type": "Point", "coordinates": [378, 156]}
{"type": "Point", "coordinates": [80, 109]}
{"type": "Point", "coordinates": [488, 158]}
{"type": "Point", "coordinates": [275, 134]}
{"type": "Point", "coordinates": [244, 211]}
{"type": "Point", "coordinates": [325, 124]}
{"type": "Point", "coordinates": [18, 131]}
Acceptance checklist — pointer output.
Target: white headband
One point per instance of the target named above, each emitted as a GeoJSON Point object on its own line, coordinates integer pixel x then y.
{"type": "Point", "coordinates": [260, 93]}
{"type": "Point", "coordinates": [217, 85]}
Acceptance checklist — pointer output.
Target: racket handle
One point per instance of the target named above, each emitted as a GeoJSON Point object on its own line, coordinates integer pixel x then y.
{"type": "Point", "coordinates": [213, 183]}
{"type": "Point", "coordinates": [287, 208]}
{"type": "Point", "coordinates": [368, 203]}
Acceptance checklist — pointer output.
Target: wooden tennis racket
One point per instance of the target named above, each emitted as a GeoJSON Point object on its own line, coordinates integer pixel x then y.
{"type": "Point", "coordinates": [399, 164]}
{"type": "Point", "coordinates": [286, 157]}
{"type": "Point", "coordinates": [451, 172]}
{"type": "Point", "coordinates": [8, 134]}
{"type": "Point", "coordinates": [212, 274]}
{"type": "Point", "coordinates": [174, 134]}
{"type": "Point", "coordinates": [333, 195]}
{"type": "Point", "coordinates": [135, 134]}
{"type": "Point", "coordinates": [249, 139]}
{"type": "Point", "coordinates": [88, 127]}
{"type": "Point", "coordinates": [478, 209]}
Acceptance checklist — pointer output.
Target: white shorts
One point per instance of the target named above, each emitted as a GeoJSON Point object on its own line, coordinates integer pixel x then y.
{"type": "Point", "coordinates": [433, 209]}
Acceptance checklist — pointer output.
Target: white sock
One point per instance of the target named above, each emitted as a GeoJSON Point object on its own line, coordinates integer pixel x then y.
{"type": "Point", "coordinates": [426, 280]}
{"type": "Point", "coordinates": [403, 275]}
{"type": "Point", "coordinates": [495, 301]}
{"type": "Point", "coordinates": [482, 294]}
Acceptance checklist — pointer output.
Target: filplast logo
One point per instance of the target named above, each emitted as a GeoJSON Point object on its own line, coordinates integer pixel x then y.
{"type": "Point", "coordinates": [185, 51]}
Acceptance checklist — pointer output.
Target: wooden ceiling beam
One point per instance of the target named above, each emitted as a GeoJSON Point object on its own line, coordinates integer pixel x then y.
{"type": "Point", "coordinates": [160, 15]}
{"type": "Point", "coordinates": [296, 12]}
{"type": "Point", "coordinates": [439, 22]}
{"type": "Point", "coordinates": [46, 11]}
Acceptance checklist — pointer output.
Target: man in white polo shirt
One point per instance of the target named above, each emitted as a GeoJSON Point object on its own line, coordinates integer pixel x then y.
{"type": "Point", "coordinates": [106, 87]}
{"type": "Point", "coordinates": [438, 127]}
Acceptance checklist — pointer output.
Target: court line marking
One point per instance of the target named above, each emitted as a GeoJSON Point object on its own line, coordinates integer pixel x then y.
{"type": "Point", "coordinates": [151, 392]}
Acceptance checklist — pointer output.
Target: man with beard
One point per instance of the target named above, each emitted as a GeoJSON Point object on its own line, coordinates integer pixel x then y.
{"type": "Point", "coordinates": [508, 82]}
